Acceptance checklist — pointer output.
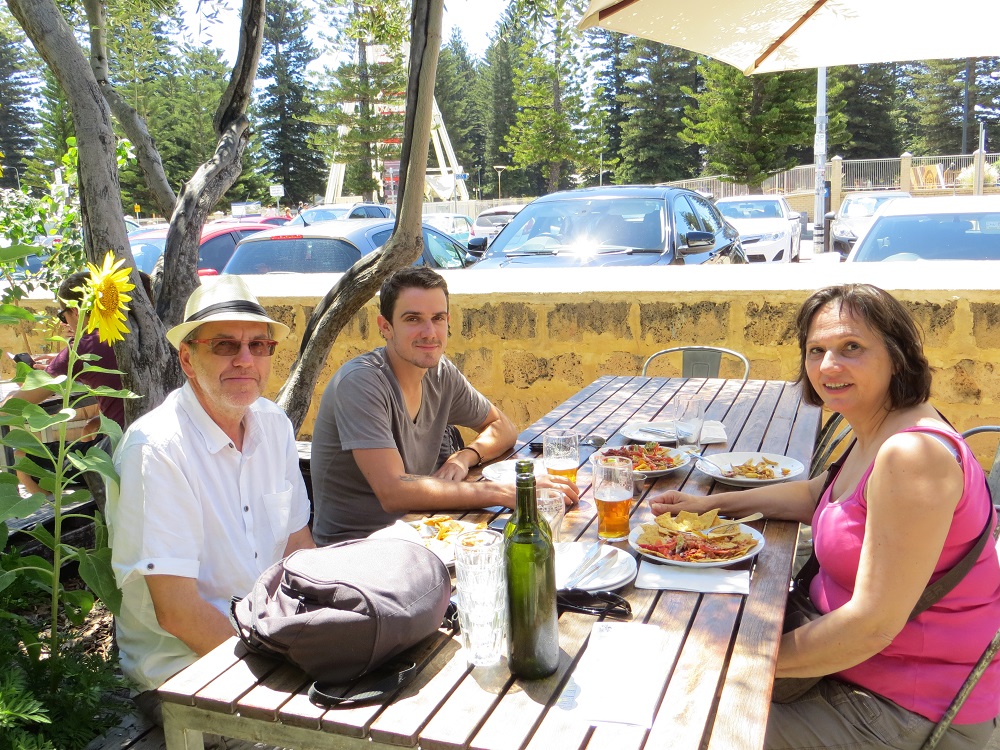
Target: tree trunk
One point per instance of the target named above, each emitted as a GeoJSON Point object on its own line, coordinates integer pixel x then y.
{"type": "Point", "coordinates": [363, 280]}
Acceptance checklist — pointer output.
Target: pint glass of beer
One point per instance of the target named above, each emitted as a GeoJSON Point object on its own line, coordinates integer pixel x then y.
{"type": "Point", "coordinates": [561, 453]}
{"type": "Point", "coordinates": [613, 495]}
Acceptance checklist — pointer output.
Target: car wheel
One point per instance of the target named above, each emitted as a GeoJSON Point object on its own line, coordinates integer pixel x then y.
{"type": "Point", "coordinates": [798, 254]}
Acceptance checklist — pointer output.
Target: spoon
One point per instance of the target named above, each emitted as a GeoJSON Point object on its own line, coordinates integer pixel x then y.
{"type": "Point", "coordinates": [594, 441]}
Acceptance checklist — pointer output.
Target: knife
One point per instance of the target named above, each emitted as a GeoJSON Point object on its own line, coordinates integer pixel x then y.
{"type": "Point", "coordinates": [588, 561]}
{"type": "Point", "coordinates": [657, 431]}
{"type": "Point", "coordinates": [606, 561]}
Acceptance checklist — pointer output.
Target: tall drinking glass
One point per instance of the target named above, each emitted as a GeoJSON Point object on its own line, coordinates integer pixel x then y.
{"type": "Point", "coordinates": [561, 453]}
{"type": "Point", "coordinates": [690, 421]}
{"type": "Point", "coordinates": [551, 507]}
{"type": "Point", "coordinates": [613, 494]}
{"type": "Point", "coordinates": [482, 595]}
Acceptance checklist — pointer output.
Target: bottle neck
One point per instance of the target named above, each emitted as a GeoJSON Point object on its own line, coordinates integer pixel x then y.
{"type": "Point", "coordinates": [527, 507]}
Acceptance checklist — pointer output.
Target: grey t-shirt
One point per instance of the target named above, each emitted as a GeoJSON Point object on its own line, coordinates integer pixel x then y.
{"type": "Point", "coordinates": [363, 407]}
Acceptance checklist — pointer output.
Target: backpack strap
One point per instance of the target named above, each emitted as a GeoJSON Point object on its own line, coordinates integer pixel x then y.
{"type": "Point", "coordinates": [373, 687]}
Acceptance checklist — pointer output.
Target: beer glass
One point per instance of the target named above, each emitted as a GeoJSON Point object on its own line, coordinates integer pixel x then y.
{"type": "Point", "coordinates": [561, 453]}
{"type": "Point", "coordinates": [481, 587]}
{"type": "Point", "coordinates": [613, 494]}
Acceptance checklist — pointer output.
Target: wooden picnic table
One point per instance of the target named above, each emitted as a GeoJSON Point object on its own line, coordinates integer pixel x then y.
{"type": "Point", "coordinates": [716, 671]}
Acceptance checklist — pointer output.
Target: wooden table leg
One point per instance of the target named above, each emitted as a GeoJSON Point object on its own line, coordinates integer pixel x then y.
{"type": "Point", "coordinates": [176, 736]}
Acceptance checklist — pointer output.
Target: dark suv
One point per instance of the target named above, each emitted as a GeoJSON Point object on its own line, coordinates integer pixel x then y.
{"type": "Point", "coordinates": [620, 225]}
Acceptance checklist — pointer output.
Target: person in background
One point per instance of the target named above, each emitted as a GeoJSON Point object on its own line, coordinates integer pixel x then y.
{"type": "Point", "coordinates": [909, 502]}
{"type": "Point", "coordinates": [210, 493]}
{"type": "Point", "coordinates": [71, 290]}
{"type": "Point", "coordinates": [383, 416]}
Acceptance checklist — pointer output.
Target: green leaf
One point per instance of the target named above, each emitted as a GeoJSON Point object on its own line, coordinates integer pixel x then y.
{"type": "Point", "coordinates": [42, 535]}
{"type": "Point", "coordinates": [12, 505]}
{"type": "Point", "coordinates": [13, 314]}
{"type": "Point", "coordinates": [7, 578]}
{"type": "Point", "coordinates": [22, 440]}
{"type": "Point", "coordinates": [78, 604]}
{"type": "Point", "coordinates": [96, 572]}
{"type": "Point", "coordinates": [18, 251]}
{"type": "Point", "coordinates": [94, 460]}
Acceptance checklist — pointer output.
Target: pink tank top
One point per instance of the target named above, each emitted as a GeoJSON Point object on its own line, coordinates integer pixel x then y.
{"type": "Point", "coordinates": [926, 664]}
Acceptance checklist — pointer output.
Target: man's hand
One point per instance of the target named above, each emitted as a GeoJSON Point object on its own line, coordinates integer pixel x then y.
{"type": "Point", "coordinates": [570, 491]}
{"type": "Point", "coordinates": [457, 466]}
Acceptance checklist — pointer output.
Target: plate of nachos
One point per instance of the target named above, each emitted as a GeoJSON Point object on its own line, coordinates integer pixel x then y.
{"type": "Point", "coordinates": [437, 533]}
{"type": "Point", "coordinates": [649, 459]}
{"type": "Point", "coordinates": [683, 540]}
{"type": "Point", "coordinates": [750, 468]}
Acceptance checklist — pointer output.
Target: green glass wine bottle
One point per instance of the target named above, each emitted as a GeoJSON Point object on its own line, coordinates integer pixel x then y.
{"type": "Point", "coordinates": [523, 466]}
{"type": "Point", "coordinates": [532, 623]}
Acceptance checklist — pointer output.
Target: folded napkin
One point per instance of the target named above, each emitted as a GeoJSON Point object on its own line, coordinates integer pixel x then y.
{"type": "Point", "coordinates": [706, 580]}
{"type": "Point", "coordinates": [713, 432]}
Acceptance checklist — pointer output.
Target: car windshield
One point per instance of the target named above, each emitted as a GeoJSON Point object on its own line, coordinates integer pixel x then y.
{"type": "Point", "coordinates": [493, 220]}
{"type": "Point", "coordinates": [314, 215]}
{"type": "Point", "coordinates": [293, 255]}
{"type": "Point", "coordinates": [750, 210]}
{"type": "Point", "coordinates": [951, 236]}
{"type": "Point", "coordinates": [863, 206]}
{"type": "Point", "coordinates": [583, 227]}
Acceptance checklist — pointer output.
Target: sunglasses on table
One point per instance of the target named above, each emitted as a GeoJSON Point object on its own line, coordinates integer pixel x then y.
{"type": "Point", "coordinates": [232, 347]}
{"type": "Point", "coordinates": [596, 603]}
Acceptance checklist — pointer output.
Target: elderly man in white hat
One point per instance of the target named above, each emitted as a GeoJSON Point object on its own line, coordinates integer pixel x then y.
{"type": "Point", "coordinates": [210, 492]}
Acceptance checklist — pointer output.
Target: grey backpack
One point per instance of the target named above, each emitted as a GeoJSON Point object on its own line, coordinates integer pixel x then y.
{"type": "Point", "coordinates": [342, 611]}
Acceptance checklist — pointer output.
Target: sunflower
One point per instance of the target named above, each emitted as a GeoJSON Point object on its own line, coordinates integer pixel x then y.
{"type": "Point", "coordinates": [109, 285]}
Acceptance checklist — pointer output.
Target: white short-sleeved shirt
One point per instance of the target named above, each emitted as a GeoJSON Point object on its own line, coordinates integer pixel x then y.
{"type": "Point", "coordinates": [190, 504]}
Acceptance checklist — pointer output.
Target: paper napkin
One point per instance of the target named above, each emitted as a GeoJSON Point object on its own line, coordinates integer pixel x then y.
{"type": "Point", "coordinates": [704, 580]}
{"type": "Point", "coordinates": [713, 432]}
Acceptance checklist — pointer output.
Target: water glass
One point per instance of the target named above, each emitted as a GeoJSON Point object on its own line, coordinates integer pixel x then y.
{"type": "Point", "coordinates": [561, 453]}
{"type": "Point", "coordinates": [551, 507]}
{"type": "Point", "coordinates": [482, 595]}
{"type": "Point", "coordinates": [690, 421]}
{"type": "Point", "coordinates": [613, 490]}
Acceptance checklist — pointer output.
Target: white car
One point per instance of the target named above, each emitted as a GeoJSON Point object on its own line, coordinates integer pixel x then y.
{"type": "Point", "coordinates": [488, 225]}
{"type": "Point", "coordinates": [769, 228]}
{"type": "Point", "coordinates": [855, 216]}
{"type": "Point", "coordinates": [960, 227]}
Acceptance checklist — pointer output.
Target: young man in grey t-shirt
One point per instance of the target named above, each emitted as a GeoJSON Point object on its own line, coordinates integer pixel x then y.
{"type": "Point", "coordinates": [382, 418]}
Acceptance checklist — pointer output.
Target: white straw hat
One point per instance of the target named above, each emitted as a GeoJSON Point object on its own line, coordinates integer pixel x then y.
{"type": "Point", "coordinates": [224, 297]}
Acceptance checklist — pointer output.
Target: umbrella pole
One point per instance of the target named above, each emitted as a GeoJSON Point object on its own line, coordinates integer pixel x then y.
{"type": "Point", "coordinates": [820, 241]}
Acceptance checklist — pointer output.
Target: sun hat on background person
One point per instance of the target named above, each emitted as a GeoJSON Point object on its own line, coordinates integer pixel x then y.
{"type": "Point", "coordinates": [225, 297]}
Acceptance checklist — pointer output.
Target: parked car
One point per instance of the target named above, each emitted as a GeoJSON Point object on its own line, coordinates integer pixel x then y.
{"type": "Point", "coordinates": [769, 229]}
{"type": "Point", "coordinates": [488, 224]}
{"type": "Point", "coordinates": [333, 247]}
{"type": "Point", "coordinates": [621, 225]}
{"type": "Point", "coordinates": [218, 241]}
{"type": "Point", "coordinates": [963, 227]}
{"type": "Point", "coordinates": [456, 226]}
{"type": "Point", "coordinates": [855, 216]}
{"type": "Point", "coordinates": [334, 211]}
{"type": "Point", "coordinates": [276, 221]}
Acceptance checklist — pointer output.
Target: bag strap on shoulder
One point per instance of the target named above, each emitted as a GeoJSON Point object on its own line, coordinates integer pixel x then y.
{"type": "Point", "coordinates": [373, 687]}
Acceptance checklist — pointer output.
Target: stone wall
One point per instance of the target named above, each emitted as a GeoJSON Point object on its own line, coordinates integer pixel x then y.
{"type": "Point", "coordinates": [529, 347]}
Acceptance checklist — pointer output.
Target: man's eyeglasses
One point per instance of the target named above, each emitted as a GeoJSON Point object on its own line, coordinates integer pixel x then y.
{"type": "Point", "coordinates": [61, 314]}
{"type": "Point", "coordinates": [232, 347]}
{"type": "Point", "coordinates": [597, 603]}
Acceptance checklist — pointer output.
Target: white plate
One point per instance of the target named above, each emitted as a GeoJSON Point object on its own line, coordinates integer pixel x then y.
{"type": "Point", "coordinates": [634, 431]}
{"type": "Point", "coordinates": [569, 555]}
{"type": "Point", "coordinates": [503, 471]}
{"type": "Point", "coordinates": [443, 548]}
{"type": "Point", "coordinates": [642, 473]}
{"type": "Point", "coordinates": [633, 535]}
{"type": "Point", "coordinates": [716, 464]}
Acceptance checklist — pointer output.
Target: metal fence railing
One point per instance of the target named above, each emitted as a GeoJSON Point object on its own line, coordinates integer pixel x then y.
{"type": "Point", "coordinates": [870, 174]}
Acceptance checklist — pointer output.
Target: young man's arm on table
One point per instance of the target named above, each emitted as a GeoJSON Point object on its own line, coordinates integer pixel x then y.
{"type": "Point", "coordinates": [496, 436]}
{"type": "Point", "coordinates": [182, 612]}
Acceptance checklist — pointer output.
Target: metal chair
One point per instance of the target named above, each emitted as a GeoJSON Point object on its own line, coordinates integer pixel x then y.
{"type": "Point", "coordinates": [701, 361]}
{"type": "Point", "coordinates": [993, 478]}
{"type": "Point", "coordinates": [834, 432]}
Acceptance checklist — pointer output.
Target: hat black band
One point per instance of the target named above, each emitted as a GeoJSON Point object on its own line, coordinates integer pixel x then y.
{"type": "Point", "coordinates": [235, 306]}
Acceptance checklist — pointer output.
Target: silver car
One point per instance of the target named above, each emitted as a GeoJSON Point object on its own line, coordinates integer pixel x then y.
{"type": "Point", "coordinates": [855, 216]}
{"type": "Point", "coordinates": [333, 247]}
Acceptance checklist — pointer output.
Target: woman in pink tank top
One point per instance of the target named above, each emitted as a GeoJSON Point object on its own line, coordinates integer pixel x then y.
{"type": "Point", "coordinates": [909, 502]}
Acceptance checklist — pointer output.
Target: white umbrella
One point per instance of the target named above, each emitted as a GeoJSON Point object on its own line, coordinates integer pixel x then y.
{"type": "Point", "coordinates": [764, 36]}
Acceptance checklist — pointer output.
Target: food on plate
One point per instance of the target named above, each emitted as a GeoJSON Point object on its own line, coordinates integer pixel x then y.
{"type": "Point", "coordinates": [648, 456]}
{"type": "Point", "coordinates": [443, 528]}
{"type": "Point", "coordinates": [749, 469]}
{"type": "Point", "coordinates": [685, 538]}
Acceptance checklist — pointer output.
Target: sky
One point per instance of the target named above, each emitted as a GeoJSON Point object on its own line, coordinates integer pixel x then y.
{"type": "Point", "coordinates": [475, 18]}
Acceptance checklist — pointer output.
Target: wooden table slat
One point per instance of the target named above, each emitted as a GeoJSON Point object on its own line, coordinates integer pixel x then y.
{"type": "Point", "coordinates": [182, 687]}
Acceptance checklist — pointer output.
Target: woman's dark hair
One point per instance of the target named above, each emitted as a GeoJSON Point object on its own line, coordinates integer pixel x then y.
{"type": "Point", "coordinates": [911, 373]}
{"type": "Point", "coordinates": [71, 289]}
{"type": "Point", "coordinates": [420, 277]}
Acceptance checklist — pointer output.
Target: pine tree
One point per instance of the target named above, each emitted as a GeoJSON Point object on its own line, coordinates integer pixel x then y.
{"type": "Point", "coordinates": [748, 126]}
{"type": "Point", "coordinates": [870, 98]}
{"type": "Point", "coordinates": [17, 122]}
{"type": "Point", "coordinates": [456, 78]}
{"type": "Point", "coordinates": [613, 56]}
{"type": "Point", "coordinates": [548, 90]}
{"type": "Point", "coordinates": [655, 101]}
{"type": "Point", "coordinates": [285, 127]}
{"type": "Point", "coordinates": [940, 103]}
{"type": "Point", "coordinates": [55, 128]}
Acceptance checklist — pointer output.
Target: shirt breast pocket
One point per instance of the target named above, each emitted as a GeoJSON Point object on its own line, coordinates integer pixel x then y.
{"type": "Point", "coordinates": [279, 510]}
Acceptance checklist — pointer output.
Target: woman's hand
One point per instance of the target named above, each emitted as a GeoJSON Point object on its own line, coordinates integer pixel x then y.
{"type": "Point", "coordinates": [571, 493]}
{"type": "Point", "coordinates": [673, 501]}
